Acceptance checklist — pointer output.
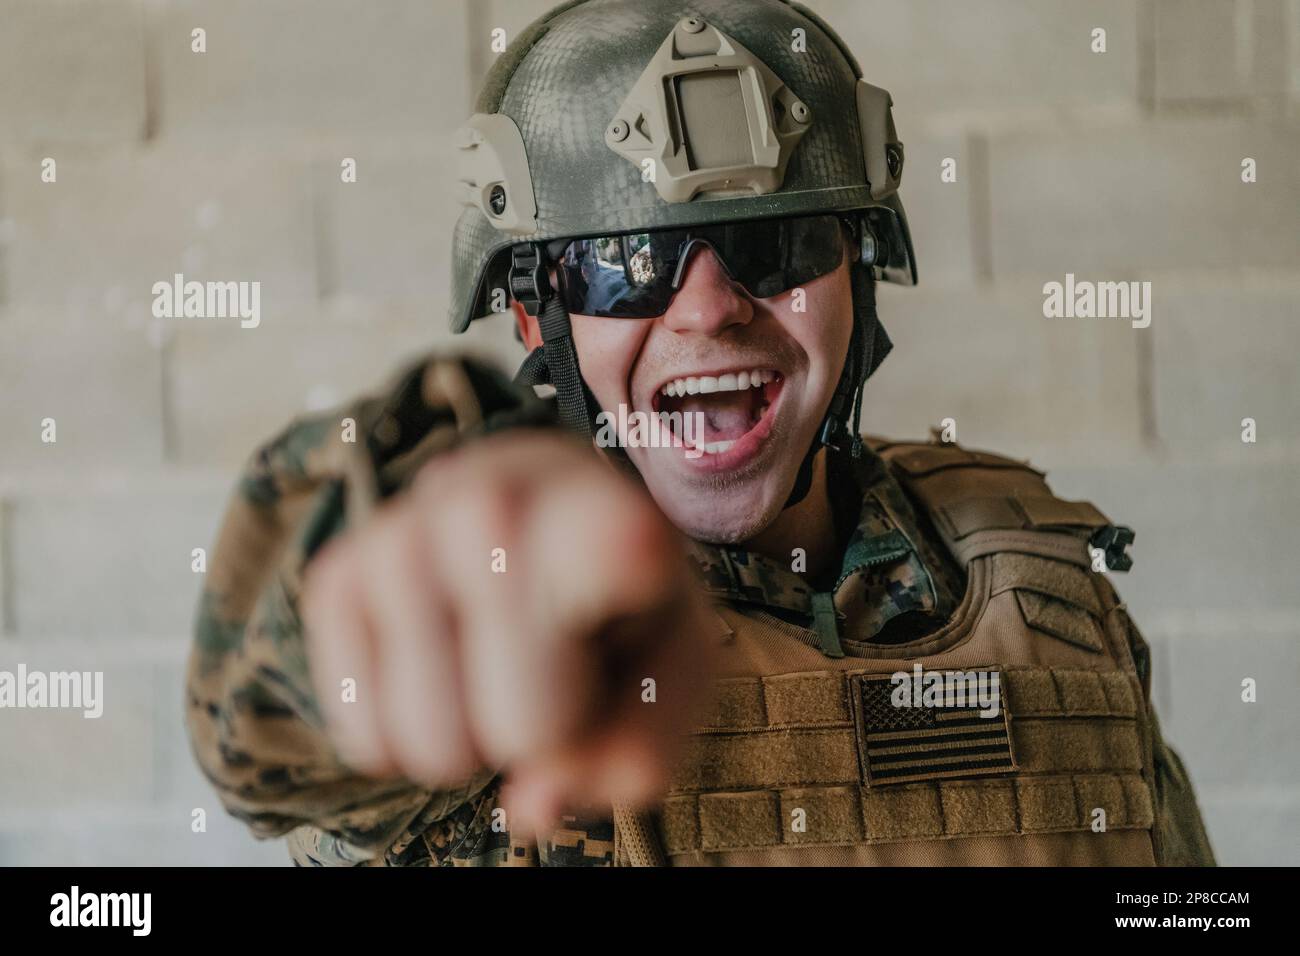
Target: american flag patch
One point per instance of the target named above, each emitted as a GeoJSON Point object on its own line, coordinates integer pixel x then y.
{"type": "Point", "coordinates": [904, 744]}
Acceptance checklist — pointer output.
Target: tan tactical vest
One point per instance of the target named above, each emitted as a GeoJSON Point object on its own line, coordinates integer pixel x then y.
{"type": "Point", "coordinates": [805, 762]}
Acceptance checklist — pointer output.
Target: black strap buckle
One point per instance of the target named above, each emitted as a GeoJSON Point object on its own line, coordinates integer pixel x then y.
{"type": "Point", "coordinates": [1112, 540]}
{"type": "Point", "coordinates": [832, 433]}
{"type": "Point", "coordinates": [530, 285]}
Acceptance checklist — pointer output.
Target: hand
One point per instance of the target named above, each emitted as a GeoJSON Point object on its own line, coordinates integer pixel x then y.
{"type": "Point", "coordinates": [532, 659]}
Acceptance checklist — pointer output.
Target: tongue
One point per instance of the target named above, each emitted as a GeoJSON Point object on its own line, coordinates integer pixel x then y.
{"type": "Point", "coordinates": [727, 415]}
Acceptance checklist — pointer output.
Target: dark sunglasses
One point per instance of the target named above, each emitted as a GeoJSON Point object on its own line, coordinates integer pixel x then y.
{"type": "Point", "coordinates": [635, 275]}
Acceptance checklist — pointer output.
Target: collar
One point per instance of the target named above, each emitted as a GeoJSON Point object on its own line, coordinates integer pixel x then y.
{"type": "Point", "coordinates": [887, 569]}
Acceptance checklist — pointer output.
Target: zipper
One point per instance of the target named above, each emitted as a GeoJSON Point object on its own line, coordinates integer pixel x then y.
{"type": "Point", "coordinates": [885, 558]}
{"type": "Point", "coordinates": [889, 547]}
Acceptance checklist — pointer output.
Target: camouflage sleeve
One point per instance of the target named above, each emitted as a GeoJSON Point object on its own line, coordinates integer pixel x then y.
{"type": "Point", "coordinates": [1180, 837]}
{"type": "Point", "coordinates": [254, 724]}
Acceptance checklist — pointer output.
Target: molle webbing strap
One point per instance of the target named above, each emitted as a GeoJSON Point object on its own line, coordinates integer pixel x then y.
{"type": "Point", "coordinates": [918, 460]}
{"type": "Point", "coordinates": [1059, 547]}
{"type": "Point", "coordinates": [820, 699]}
{"type": "Point", "coordinates": [792, 758]}
{"type": "Point", "coordinates": [776, 744]}
{"type": "Point", "coordinates": [948, 809]}
{"type": "Point", "coordinates": [1032, 512]}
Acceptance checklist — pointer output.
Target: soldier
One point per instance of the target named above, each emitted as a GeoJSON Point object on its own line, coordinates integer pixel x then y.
{"type": "Point", "coordinates": [467, 639]}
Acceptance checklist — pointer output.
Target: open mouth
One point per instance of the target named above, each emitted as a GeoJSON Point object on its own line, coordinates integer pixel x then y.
{"type": "Point", "coordinates": [727, 410]}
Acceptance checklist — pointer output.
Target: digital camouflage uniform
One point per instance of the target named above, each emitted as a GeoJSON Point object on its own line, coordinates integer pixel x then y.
{"type": "Point", "coordinates": [256, 727]}
{"type": "Point", "coordinates": [743, 111]}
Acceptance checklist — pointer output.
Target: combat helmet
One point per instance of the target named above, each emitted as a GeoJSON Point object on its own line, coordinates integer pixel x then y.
{"type": "Point", "coordinates": [605, 117]}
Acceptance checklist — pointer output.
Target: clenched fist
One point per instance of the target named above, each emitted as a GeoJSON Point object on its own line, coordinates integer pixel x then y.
{"type": "Point", "coordinates": [508, 612]}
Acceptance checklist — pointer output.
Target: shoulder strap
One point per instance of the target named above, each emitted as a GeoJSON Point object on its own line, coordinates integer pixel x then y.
{"type": "Point", "coordinates": [981, 502]}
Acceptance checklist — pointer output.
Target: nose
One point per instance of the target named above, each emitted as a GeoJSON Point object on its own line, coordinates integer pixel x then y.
{"type": "Point", "coordinates": [707, 300]}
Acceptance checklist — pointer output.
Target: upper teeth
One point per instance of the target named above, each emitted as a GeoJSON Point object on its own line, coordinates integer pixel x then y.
{"type": "Point", "coordinates": [705, 384]}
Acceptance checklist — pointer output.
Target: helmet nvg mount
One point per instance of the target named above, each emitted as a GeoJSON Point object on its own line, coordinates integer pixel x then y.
{"type": "Point", "coordinates": [609, 116]}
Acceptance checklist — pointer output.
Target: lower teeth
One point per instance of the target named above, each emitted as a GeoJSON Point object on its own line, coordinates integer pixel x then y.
{"type": "Point", "coordinates": [717, 447]}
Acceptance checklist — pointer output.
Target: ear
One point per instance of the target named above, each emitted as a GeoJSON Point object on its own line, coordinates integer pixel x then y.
{"type": "Point", "coordinates": [529, 330]}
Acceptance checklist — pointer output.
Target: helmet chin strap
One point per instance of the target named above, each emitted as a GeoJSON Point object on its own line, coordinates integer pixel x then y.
{"type": "Point", "coordinates": [559, 358]}
{"type": "Point", "coordinates": [841, 429]}
{"type": "Point", "coordinates": [555, 363]}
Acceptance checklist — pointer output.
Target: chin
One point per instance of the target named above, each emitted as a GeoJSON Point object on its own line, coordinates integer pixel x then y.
{"type": "Point", "coordinates": [720, 509]}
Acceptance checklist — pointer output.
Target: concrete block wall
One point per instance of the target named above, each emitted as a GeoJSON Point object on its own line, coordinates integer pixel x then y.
{"type": "Point", "coordinates": [1114, 166]}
